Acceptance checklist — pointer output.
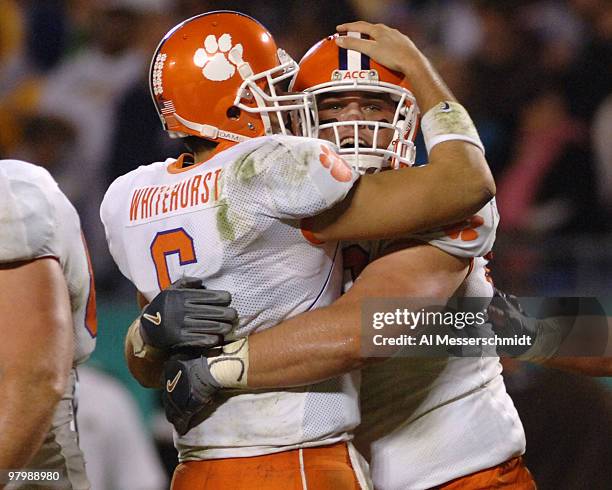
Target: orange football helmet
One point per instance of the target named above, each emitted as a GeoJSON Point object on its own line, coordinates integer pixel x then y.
{"type": "Point", "coordinates": [328, 68]}
{"type": "Point", "coordinates": [216, 76]}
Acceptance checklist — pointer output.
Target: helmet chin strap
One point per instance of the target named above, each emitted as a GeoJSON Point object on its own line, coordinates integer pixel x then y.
{"type": "Point", "coordinates": [363, 163]}
{"type": "Point", "coordinates": [211, 132]}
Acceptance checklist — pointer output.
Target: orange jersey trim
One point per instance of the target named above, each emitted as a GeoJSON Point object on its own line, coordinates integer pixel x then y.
{"type": "Point", "coordinates": [309, 236]}
{"type": "Point", "coordinates": [179, 166]}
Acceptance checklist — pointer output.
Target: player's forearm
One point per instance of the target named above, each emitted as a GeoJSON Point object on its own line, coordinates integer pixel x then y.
{"type": "Point", "coordinates": [148, 367]}
{"type": "Point", "coordinates": [588, 337]}
{"type": "Point", "coordinates": [410, 200]}
{"type": "Point", "coordinates": [573, 334]}
{"type": "Point", "coordinates": [456, 185]}
{"type": "Point", "coordinates": [426, 83]}
{"type": "Point", "coordinates": [588, 366]}
{"type": "Point", "coordinates": [326, 342]}
{"type": "Point", "coordinates": [465, 183]}
{"type": "Point", "coordinates": [465, 168]}
{"type": "Point", "coordinates": [35, 355]}
{"type": "Point", "coordinates": [306, 349]}
{"type": "Point", "coordinates": [30, 399]}
{"type": "Point", "coordinates": [147, 373]}
{"type": "Point", "coordinates": [146, 370]}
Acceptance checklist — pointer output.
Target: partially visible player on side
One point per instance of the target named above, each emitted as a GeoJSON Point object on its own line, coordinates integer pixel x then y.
{"type": "Point", "coordinates": [232, 215]}
{"type": "Point", "coordinates": [47, 305]}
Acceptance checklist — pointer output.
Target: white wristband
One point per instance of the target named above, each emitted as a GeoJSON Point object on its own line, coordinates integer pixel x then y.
{"type": "Point", "coordinates": [449, 121]}
{"type": "Point", "coordinates": [231, 367]}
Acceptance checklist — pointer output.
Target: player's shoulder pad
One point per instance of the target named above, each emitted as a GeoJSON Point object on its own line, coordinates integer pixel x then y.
{"type": "Point", "coordinates": [303, 148]}
{"type": "Point", "coordinates": [123, 181]}
{"type": "Point", "coordinates": [28, 211]}
{"type": "Point", "coordinates": [292, 154]}
{"type": "Point", "coordinates": [473, 237]}
{"type": "Point", "coordinates": [318, 159]}
{"type": "Point", "coordinates": [288, 176]}
{"type": "Point", "coordinates": [122, 186]}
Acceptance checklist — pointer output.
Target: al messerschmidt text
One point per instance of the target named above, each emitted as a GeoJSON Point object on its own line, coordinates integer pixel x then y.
{"type": "Point", "coordinates": [451, 340]}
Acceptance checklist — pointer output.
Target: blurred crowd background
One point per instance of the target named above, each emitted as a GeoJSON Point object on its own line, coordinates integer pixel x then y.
{"type": "Point", "coordinates": [536, 76]}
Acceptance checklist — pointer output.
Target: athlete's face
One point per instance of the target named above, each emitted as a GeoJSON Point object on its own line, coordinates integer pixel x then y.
{"type": "Point", "coordinates": [356, 106]}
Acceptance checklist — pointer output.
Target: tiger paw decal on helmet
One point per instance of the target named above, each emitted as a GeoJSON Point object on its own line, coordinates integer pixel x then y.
{"type": "Point", "coordinates": [198, 74]}
{"type": "Point", "coordinates": [218, 59]}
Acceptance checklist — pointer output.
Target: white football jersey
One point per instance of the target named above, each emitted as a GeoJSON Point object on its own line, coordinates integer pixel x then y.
{"type": "Point", "coordinates": [427, 421]}
{"type": "Point", "coordinates": [37, 220]}
{"type": "Point", "coordinates": [234, 221]}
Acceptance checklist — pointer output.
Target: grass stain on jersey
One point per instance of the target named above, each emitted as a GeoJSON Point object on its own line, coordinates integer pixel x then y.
{"type": "Point", "coordinates": [224, 225]}
{"type": "Point", "coordinates": [296, 172]}
{"type": "Point", "coordinates": [245, 168]}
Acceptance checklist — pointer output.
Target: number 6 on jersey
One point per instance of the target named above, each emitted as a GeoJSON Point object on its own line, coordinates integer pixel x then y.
{"type": "Point", "coordinates": [176, 241]}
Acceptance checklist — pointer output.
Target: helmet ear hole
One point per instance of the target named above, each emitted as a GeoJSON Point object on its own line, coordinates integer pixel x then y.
{"type": "Point", "coordinates": [233, 112]}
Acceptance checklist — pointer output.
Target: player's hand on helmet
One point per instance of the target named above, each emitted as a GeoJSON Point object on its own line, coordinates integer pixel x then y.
{"type": "Point", "coordinates": [385, 45]}
{"type": "Point", "coordinates": [189, 388]}
{"type": "Point", "coordinates": [187, 315]}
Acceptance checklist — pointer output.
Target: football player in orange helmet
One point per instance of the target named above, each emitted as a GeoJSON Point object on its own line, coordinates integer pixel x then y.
{"type": "Point", "coordinates": [206, 63]}
{"type": "Point", "coordinates": [371, 112]}
{"type": "Point", "coordinates": [366, 109]}
{"type": "Point", "coordinates": [227, 86]}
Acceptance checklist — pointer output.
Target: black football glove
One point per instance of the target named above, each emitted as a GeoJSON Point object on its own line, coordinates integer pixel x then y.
{"type": "Point", "coordinates": [189, 387]}
{"type": "Point", "coordinates": [187, 315]}
{"type": "Point", "coordinates": [510, 320]}
{"type": "Point", "coordinates": [547, 332]}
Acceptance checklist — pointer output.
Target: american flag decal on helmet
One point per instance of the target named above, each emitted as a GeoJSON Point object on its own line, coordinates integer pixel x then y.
{"type": "Point", "coordinates": [167, 112]}
{"type": "Point", "coordinates": [167, 108]}
{"type": "Point", "coordinates": [351, 60]}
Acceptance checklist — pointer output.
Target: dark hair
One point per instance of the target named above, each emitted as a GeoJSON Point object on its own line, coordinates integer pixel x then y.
{"type": "Point", "coordinates": [194, 144]}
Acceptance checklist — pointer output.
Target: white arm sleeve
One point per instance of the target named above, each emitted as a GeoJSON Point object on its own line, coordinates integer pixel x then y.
{"type": "Point", "coordinates": [292, 177]}
{"type": "Point", "coordinates": [29, 201]}
{"type": "Point", "coordinates": [473, 237]}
